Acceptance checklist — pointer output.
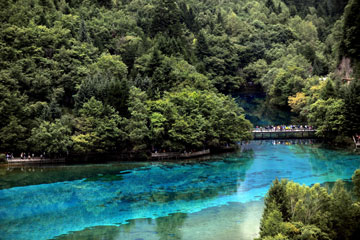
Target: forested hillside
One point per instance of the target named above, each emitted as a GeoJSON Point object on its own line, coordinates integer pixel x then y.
{"type": "Point", "coordinates": [87, 76]}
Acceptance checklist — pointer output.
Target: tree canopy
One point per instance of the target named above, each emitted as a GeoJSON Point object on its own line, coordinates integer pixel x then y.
{"type": "Point", "coordinates": [61, 58]}
{"type": "Point", "coordinates": [293, 211]}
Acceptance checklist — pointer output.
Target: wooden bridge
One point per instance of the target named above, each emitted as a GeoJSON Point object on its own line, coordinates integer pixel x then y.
{"type": "Point", "coordinates": [283, 133]}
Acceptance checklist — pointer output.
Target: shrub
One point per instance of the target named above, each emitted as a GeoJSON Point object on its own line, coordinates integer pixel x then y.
{"type": "Point", "coordinates": [2, 158]}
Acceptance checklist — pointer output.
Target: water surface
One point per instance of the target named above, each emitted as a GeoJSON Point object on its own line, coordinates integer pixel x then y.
{"type": "Point", "coordinates": [217, 198]}
{"type": "Point", "coordinates": [261, 113]}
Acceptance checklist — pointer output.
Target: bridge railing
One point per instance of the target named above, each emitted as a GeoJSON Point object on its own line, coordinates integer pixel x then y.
{"type": "Point", "coordinates": [284, 130]}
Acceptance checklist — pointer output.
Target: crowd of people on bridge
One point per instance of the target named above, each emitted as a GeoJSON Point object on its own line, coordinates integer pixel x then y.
{"type": "Point", "coordinates": [9, 156]}
{"type": "Point", "coordinates": [284, 142]}
{"type": "Point", "coordinates": [292, 142]}
{"type": "Point", "coordinates": [283, 128]}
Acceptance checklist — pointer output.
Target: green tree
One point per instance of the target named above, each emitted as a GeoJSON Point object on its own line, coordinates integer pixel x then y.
{"type": "Point", "coordinates": [191, 118]}
{"type": "Point", "coordinates": [201, 47]}
{"type": "Point", "coordinates": [270, 5]}
{"type": "Point", "coordinates": [271, 224]}
{"type": "Point", "coordinates": [342, 212]}
{"type": "Point", "coordinates": [350, 44]}
{"type": "Point", "coordinates": [166, 19]}
{"type": "Point", "coordinates": [106, 82]}
{"type": "Point", "coordinates": [328, 91]}
{"type": "Point", "coordinates": [13, 136]}
{"type": "Point", "coordinates": [157, 128]}
{"type": "Point", "coordinates": [352, 107]}
{"type": "Point", "coordinates": [277, 197]}
{"type": "Point", "coordinates": [315, 212]}
{"type": "Point", "coordinates": [137, 127]}
{"type": "Point", "coordinates": [83, 33]}
{"type": "Point", "coordinates": [356, 181]}
{"type": "Point", "coordinates": [111, 66]}
{"type": "Point", "coordinates": [54, 138]}
{"type": "Point", "coordinates": [327, 116]}
{"type": "Point", "coordinates": [99, 128]}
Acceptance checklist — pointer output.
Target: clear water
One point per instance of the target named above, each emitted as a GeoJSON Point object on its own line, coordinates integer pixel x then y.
{"type": "Point", "coordinates": [217, 198]}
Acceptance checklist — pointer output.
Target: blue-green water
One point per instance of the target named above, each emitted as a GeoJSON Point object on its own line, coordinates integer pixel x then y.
{"type": "Point", "coordinates": [217, 198]}
{"type": "Point", "coordinates": [260, 112]}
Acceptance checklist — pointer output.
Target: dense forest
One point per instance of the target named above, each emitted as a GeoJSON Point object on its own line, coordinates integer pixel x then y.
{"type": "Point", "coordinates": [294, 212]}
{"type": "Point", "coordinates": [82, 76]}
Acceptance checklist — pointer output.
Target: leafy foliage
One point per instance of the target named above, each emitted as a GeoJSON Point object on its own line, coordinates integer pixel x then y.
{"type": "Point", "coordinates": [137, 128]}
{"type": "Point", "coordinates": [58, 55]}
{"type": "Point", "coordinates": [310, 212]}
{"type": "Point", "coordinates": [52, 138]}
{"type": "Point", "coordinates": [97, 128]}
{"type": "Point", "coordinates": [191, 119]}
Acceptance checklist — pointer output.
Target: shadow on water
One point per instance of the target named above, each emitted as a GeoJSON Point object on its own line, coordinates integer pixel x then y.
{"type": "Point", "coordinates": [162, 228]}
{"type": "Point", "coordinates": [231, 221]}
{"type": "Point", "coordinates": [169, 227]}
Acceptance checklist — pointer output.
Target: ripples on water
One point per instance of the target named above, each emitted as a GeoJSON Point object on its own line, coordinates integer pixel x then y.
{"type": "Point", "coordinates": [220, 198]}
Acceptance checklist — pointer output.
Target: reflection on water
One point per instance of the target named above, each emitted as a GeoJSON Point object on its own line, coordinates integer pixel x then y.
{"type": "Point", "coordinates": [260, 112]}
{"type": "Point", "coordinates": [169, 226]}
{"type": "Point", "coordinates": [216, 199]}
{"type": "Point", "coordinates": [231, 221]}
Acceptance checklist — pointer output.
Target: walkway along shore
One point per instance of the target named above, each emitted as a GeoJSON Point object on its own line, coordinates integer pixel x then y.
{"type": "Point", "coordinates": [258, 134]}
{"type": "Point", "coordinates": [35, 160]}
{"type": "Point", "coordinates": [169, 155]}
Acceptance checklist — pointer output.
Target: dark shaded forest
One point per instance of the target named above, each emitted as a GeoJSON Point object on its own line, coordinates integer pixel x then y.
{"type": "Point", "coordinates": [138, 75]}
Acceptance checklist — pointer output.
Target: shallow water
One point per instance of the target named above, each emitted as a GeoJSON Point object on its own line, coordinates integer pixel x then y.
{"type": "Point", "coordinates": [220, 198]}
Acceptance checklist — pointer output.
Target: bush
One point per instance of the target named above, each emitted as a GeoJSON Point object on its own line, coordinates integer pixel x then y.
{"type": "Point", "coordinates": [2, 158]}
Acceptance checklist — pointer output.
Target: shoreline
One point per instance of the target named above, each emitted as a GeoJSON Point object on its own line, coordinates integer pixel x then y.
{"type": "Point", "coordinates": [116, 157]}
{"type": "Point", "coordinates": [34, 160]}
{"type": "Point", "coordinates": [155, 157]}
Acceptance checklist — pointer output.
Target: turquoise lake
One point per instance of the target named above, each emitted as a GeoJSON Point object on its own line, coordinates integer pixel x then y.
{"type": "Point", "coordinates": [218, 197]}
